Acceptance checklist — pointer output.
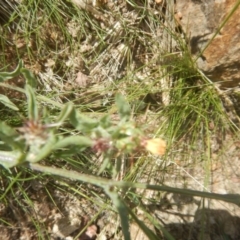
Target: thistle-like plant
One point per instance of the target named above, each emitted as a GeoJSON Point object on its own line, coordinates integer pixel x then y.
{"type": "Point", "coordinates": [38, 138]}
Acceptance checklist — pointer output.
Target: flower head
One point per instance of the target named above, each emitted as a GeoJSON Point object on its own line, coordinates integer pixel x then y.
{"type": "Point", "coordinates": [156, 146]}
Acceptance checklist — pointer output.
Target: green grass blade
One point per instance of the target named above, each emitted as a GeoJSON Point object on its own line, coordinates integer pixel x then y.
{"type": "Point", "coordinates": [122, 210]}
{"type": "Point", "coordinates": [235, 7]}
{"type": "Point", "coordinates": [9, 75]}
{"type": "Point", "coordinates": [101, 182]}
{"type": "Point", "coordinates": [149, 233]}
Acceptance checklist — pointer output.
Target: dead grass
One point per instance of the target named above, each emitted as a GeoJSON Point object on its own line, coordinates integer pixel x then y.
{"type": "Point", "coordinates": [132, 47]}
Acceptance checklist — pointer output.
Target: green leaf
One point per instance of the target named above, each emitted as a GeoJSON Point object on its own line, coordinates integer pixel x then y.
{"type": "Point", "coordinates": [123, 106]}
{"type": "Point", "coordinates": [32, 103]}
{"type": "Point", "coordinates": [8, 135]}
{"type": "Point", "coordinates": [105, 122]}
{"type": "Point", "coordinates": [82, 122]}
{"type": "Point", "coordinates": [7, 130]}
{"type": "Point", "coordinates": [65, 113]}
{"type": "Point", "coordinates": [10, 159]}
{"type": "Point", "coordinates": [35, 155]}
{"type": "Point", "coordinates": [80, 141]}
{"type": "Point", "coordinates": [8, 75]}
{"type": "Point", "coordinates": [8, 103]}
{"type": "Point", "coordinates": [29, 77]}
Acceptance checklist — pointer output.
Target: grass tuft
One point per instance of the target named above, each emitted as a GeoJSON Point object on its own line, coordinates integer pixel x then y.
{"type": "Point", "coordinates": [106, 84]}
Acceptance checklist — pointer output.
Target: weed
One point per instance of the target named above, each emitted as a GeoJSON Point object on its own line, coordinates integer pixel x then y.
{"type": "Point", "coordinates": [85, 142]}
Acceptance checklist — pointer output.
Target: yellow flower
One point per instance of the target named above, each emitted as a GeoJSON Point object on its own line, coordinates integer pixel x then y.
{"type": "Point", "coordinates": [156, 146]}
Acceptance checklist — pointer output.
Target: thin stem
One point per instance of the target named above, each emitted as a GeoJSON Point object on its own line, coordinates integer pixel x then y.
{"type": "Point", "coordinates": [103, 182]}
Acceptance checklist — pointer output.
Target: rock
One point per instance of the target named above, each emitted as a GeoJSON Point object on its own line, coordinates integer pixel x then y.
{"type": "Point", "coordinates": [220, 61]}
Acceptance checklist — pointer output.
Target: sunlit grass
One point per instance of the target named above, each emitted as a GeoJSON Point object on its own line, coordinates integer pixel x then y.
{"type": "Point", "coordinates": [168, 96]}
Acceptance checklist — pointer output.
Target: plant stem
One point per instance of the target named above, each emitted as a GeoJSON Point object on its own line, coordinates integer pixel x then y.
{"type": "Point", "coordinates": [103, 182]}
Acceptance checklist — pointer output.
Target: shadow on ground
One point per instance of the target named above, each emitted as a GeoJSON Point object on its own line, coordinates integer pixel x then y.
{"type": "Point", "coordinates": [208, 224]}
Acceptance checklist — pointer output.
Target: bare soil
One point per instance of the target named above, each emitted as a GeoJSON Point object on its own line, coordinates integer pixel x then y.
{"type": "Point", "coordinates": [49, 213]}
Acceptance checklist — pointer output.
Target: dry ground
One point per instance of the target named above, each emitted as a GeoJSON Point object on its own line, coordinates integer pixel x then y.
{"type": "Point", "coordinates": [122, 50]}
